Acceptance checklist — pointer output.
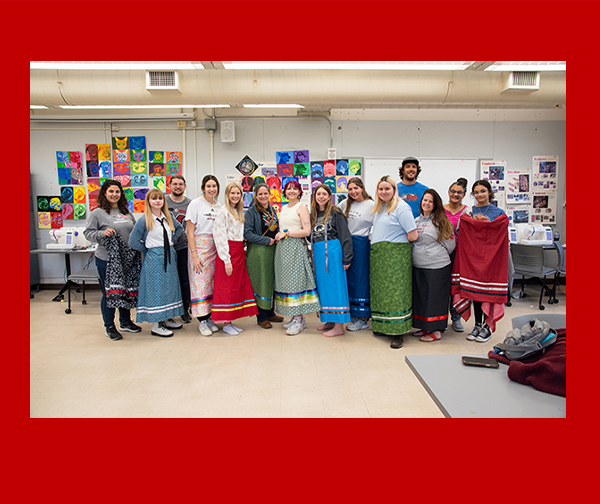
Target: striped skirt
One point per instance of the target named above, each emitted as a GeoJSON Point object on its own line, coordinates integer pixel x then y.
{"type": "Point", "coordinates": [201, 284]}
{"type": "Point", "coordinates": [295, 287]}
{"type": "Point", "coordinates": [358, 278]}
{"type": "Point", "coordinates": [391, 287]}
{"type": "Point", "coordinates": [431, 290]}
{"type": "Point", "coordinates": [159, 295]}
{"type": "Point", "coordinates": [332, 284]}
{"type": "Point", "coordinates": [260, 262]}
{"type": "Point", "coordinates": [232, 296]}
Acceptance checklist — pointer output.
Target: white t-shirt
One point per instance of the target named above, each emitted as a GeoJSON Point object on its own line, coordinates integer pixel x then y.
{"type": "Point", "coordinates": [202, 214]}
{"type": "Point", "coordinates": [393, 227]}
{"type": "Point", "coordinates": [360, 218]}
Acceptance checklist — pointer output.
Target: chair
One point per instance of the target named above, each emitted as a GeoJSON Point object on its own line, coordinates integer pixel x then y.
{"type": "Point", "coordinates": [556, 320]}
{"type": "Point", "coordinates": [528, 261]}
{"type": "Point", "coordinates": [86, 275]}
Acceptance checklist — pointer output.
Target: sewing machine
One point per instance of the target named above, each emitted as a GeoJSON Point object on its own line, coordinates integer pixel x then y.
{"type": "Point", "coordinates": [68, 239]}
{"type": "Point", "coordinates": [528, 234]}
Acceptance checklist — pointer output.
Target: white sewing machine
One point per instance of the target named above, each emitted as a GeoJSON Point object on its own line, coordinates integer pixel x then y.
{"type": "Point", "coordinates": [528, 234]}
{"type": "Point", "coordinates": [67, 239]}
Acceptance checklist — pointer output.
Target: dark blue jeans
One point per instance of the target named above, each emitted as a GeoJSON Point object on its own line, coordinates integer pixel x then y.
{"type": "Point", "coordinates": [108, 314]}
{"type": "Point", "coordinates": [264, 314]}
{"type": "Point", "coordinates": [184, 281]}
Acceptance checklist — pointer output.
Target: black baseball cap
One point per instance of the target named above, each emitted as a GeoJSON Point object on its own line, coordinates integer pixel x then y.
{"type": "Point", "coordinates": [410, 159]}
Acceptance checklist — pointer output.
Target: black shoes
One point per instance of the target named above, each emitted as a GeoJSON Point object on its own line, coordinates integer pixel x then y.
{"type": "Point", "coordinates": [185, 318]}
{"type": "Point", "coordinates": [113, 334]}
{"type": "Point", "coordinates": [130, 327]}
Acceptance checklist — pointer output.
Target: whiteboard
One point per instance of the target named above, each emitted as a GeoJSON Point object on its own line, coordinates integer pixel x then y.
{"type": "Point", "coordinates": [436, 173]}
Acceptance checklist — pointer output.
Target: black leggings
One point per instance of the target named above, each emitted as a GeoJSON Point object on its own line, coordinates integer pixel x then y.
{"type": "Point", "coordinates": [479, 315]}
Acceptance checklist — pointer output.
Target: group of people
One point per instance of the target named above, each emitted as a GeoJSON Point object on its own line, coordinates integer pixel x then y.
{"type": "Point", "coordinates": [394, 258]}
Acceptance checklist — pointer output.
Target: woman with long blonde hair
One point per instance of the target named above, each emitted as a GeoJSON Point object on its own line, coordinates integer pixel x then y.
{"type": "Point", "coordinates": [391, 263]}
{"type": "Point", "coordinates": [159, 298]}
{"type": "Point", "coordinates": [233, 296]}
{"type": "Point", "coordinates": [358, 211]}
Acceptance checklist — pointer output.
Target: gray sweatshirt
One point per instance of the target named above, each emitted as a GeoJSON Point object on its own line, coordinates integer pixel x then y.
{"type": "Point", "coordinates": [427, 252]}
{"type": "Point", "coordinates": [100, 221]}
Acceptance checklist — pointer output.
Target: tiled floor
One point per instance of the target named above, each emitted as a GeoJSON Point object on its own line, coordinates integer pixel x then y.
{"type": "Point", "coordinates": [75, 371]}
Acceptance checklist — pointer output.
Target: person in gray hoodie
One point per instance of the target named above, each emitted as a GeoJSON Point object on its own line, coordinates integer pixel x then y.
{"type": "Point", "coordinates": [432, 267]}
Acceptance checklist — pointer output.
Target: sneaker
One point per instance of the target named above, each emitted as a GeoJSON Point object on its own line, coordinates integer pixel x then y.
{"type": "Point", "coordinates": [484, 335]}
{"type": "Point", "coordinates": [296, 327]}
{"type": "Point", "coordinates": [186, 318]}
{"type": "Point", "coordinates": [171, 324]}
{"type": "Point", "coordinates": [358, 325]}
{"type": "Point", "coordinates": [457, 326]}
{"type": "Point", "coordinates": [230, 329]}
{"type": "Point", "coordinates": [288, 324]}
{"type": "Point", "coordinates": [130, 327]}
{"type": "Point", "coordinates": [213, 327]}
{"type": "Point", "coordinates": [113, 334]}
{"type": "Point", "coordinates": [204, 328]}
{"type": "Point", "coordinates": [472, 336]}
{"type": "Point", "coordinates": [159, 329]}
{"type": "Point", "coordinates": [238, 329]}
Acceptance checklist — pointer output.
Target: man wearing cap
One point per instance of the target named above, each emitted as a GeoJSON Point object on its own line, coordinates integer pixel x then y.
{"type": "Point", "coordinates": [409, 189]}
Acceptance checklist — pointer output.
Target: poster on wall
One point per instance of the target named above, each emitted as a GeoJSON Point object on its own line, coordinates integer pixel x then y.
{"type": "Point", "coordinates": [518, 187]}
{"type": "Point", "coordinates": [495, 173]}
{"type": "Point", "coordinates": [544, 207]}
{"type": "Point", "coordinates": [545, 173]}
{"type": "Point", "coordinates": [518, 214]}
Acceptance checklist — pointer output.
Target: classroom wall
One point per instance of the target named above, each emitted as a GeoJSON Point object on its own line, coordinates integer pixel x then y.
{"type": "Point", "coordinates": [514, 141]}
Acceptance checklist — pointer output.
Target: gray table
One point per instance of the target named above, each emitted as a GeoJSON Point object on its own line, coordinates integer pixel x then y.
{"type": "Point", "coordinates": [474, 392]}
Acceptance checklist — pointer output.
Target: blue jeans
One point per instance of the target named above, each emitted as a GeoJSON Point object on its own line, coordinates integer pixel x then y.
{"type": "Point", "coordinates": [108, 314]}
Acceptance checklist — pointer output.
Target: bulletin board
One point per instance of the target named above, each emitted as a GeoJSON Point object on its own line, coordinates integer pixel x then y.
{"type": "Point", "coordinates": [436, 173]}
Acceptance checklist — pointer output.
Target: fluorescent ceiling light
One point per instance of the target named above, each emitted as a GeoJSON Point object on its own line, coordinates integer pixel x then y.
{"type": "Point", "coordinates": [37, 107]}
{"type": "Point", "coordinates": [273, 105]}
{"type": "Point", "coordinates": [115, 65]}
{"type": "Point", "coordinates": [528, 66]}
{"type": "Point", "coordinates": [92, 107]}
{"type": "Point", "coordinates": [346, 65]}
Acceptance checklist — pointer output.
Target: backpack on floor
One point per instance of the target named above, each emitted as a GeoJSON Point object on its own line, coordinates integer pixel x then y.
{"type": "Point", "coordinates": [533, 337]}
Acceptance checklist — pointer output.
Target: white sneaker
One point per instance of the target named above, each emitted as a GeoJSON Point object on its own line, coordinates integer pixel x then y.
{"type": "Point", "coordinates": [288, 324]}
{"type": "Point", "coordinates": [171, 324]}
{"type": "Point", "coordinates": [204, 328]}
{"type": "Point", "coordinates": [230, 329]}
{"type": "Point", "coordinates": [159, 329]}
{"type": "Point", "coordinates": [238, 329]}
{"type": "Point", "coordinates": [358, 325]}
{"type": "Point", "coordinates": [296, 327]}
{"type": "Point", "coordinates": [213, 327]}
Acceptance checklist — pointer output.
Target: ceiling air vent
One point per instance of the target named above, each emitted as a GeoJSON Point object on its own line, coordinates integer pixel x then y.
{"type": "Point", "coordinates": [162, 79]}
{"type": "Point", "coordinates": [524, 81]}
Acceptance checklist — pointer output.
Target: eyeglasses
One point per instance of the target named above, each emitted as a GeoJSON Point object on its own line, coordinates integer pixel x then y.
{"type": "Point", "coordinates": [457, 192]}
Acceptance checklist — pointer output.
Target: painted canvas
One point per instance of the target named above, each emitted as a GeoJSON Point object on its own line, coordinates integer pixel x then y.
{"type": "Point", "coordinates": [301, 157]}
{"type": "Point", "coordinates": [341, 167]}
{"type": "Point", "coordinates": [120, 143]}
{"type": "Point", "coordinates": [105, 169]}
{"type": "Point", "coordinates": [125, 180]}
{"type": "Point", "coordinates": [157, 169]}
{"type": "Point", "coordinates": [79, 194]}
{"type": "Point", "coordinates": [284, 157]}
{"type": "Point", "coordinates": [139, 180]}
{"type": "Point", "coordinates": [137, 143]}
{"type": "Point", "coordinates": [44, 221]}
{"type": "Point", "coordinates": [103, 152]}
{"type": "Point", "coordinates": [79, 210]}
{"type": "Point", "coordinates": [68, 211]}
{"type": "Point", "coordinates": [66, 194]}
{"type": "Point", "coordinates": [156, 156]}
{"type": "Point", "coordinates": [329, 168]}
{"type": "Point", "coordinates": [354, 167]}
{"type": "Point", "coordinates": [160, 183]}
{"type": "Point", "coordinates": [56, 220]}
{"type": "Point", "coordinates": [173, 157]}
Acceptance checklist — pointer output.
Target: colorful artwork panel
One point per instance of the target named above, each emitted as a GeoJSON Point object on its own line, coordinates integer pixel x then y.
{"type": "Point", "coordinates": [259, 179]}
{"type": "Point", "coordinates": [247, 183]}
{"type": "Point", "coordinates": [156, 156]}
{"type": "Point", "coordinates": [131, 206]}
{"type": "Point", "coordinates": [340, 197]}
{"type": "Point", "coordinates": [285, 170]}
{"type": "Point", "coordinates": [125, 180]}
{"type": "Point", "coordinates": [173, 157]}
{"type": "Point", "coordinates": [79, 210]}
{"type": "Point", "coordinates": [284, 157]}
{"type": "Point", "coordinates": [137, 143]}
{"type": "Point", "coordinates": [275, 196]}
{"type": "Point", "coordinates": [341, 183]}
{"type": "Point", "coordinates": [277, 207]}
{"type": "Point", "coordinates": [122, 169]}
{"type": "Point", "coordinates": [43, 203]}
{"type": "Point", "coordinates": [269, 171]}
{"type": "Point", "coordinates": [274, 183]}
{"type": "Point", "coordinates": [301, 156]}
{"type": "Point", "coordinates": [329, 168]}
{"type": "Point", "coordinates": [120, 143]}
{"type": "Point", "coordinates": [173, 169]}
{"type": "Point", "coordinates": [128, 191]}
{"type": "Point", "coordinates": [44, 221]}
{"type": "Point", "coordinates": [138, 155]}
{"type": "Point", "coordinates": [105, 169]}
{"type": "Point", "coordinates": [157, 170]}
{"type": "Point", "coordinates": [330, 181]}
{"type": "Point", "coordinates": [93, 185]}
{"type": "Point", "coordinates": [139, 206]}
{"type": "Point", "coordinates": [76, 173]}
{"type": "Point", "coordinates": [93, 169]}
{"type": "Point", "coordinates": [91, 152]}
{"type": "Point", "coordinates": [78, 195]}
{"type": "Point", "coordinates": [248, 198]}
{"type": "Point", "coordinates": [103, 152]}
{"type": "Point", "coordinates": [138, 167]}
{"type": "Point", "coordinates": [341, 167]}
{"type": "Point", "coordinates": [66, 194]}
{"type": "Point", "coordinates": [62, 158]}
{"type": "Point", "coordinates": [316, 169]}
{"type": "Point", "coordinates": [93, 201]}
{"type": "Point", "coordinates": [121, 156]}
{"type": "Point", "coordinates": [354, 167]}
{"type": "Point", "coordinates": [68, 212]}
{"type": "Point", "coordinates": [64, 176]}
{"type": "Point", "coordinates": [56, 220]}
{"type": "Point", "coordinates": [316, 181]}
{"type": "Point", "coordinates": [139, 180]}
{"type": "Point", "coordinates": [160, 183]}
{"type": "Point", "coordinates": [301, 169]}
{"type": "Point", "coordinates": [140, 194]}
{"type": "Point", "coordinates": [55, 204]}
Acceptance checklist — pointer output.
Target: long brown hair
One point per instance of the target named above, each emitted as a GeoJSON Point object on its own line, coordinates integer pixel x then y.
{"type": "Point", "coordinates": [103, 201]}
{"type": "Point", "coordinates": [350, 200]}
{"type": "Point", "coordinates": [438, 216]}
{"type": "Point", "coordinates": [329, 206]}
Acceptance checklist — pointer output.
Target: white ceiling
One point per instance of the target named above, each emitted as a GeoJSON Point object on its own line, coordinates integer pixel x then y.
{"type": "Point", "coordinates": [322, 87]}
